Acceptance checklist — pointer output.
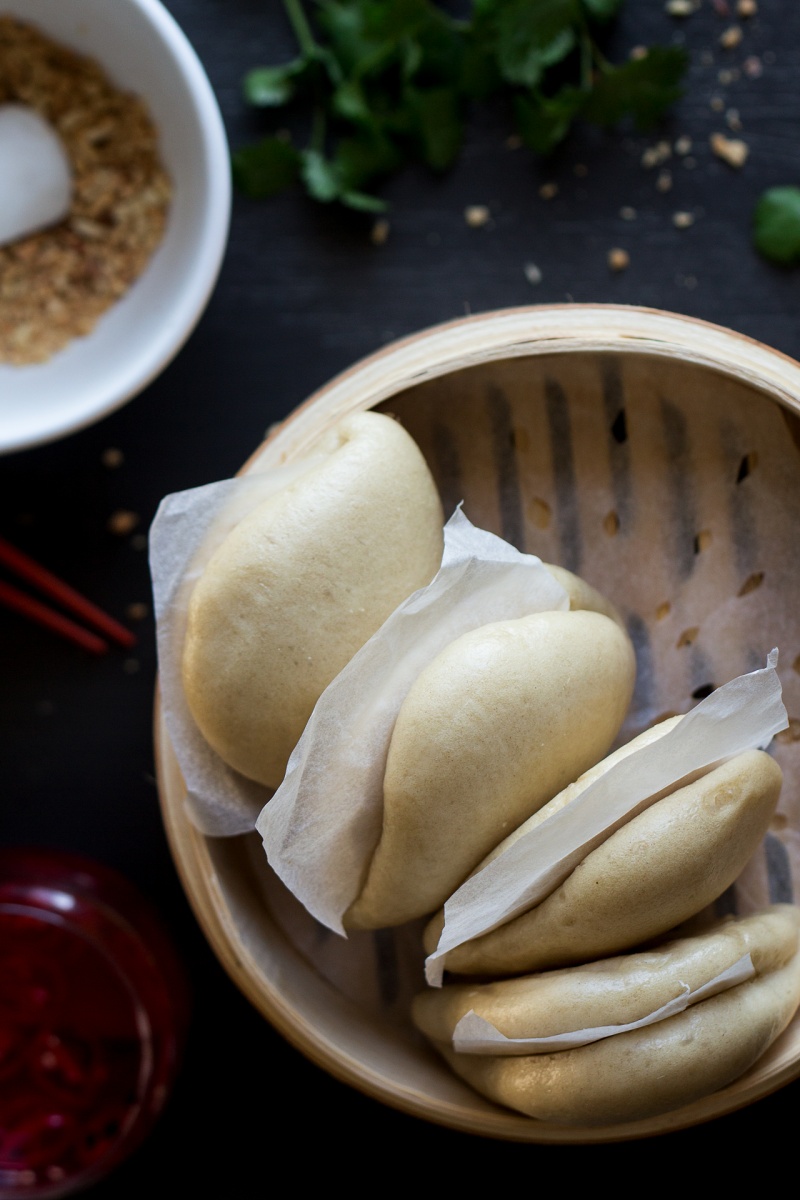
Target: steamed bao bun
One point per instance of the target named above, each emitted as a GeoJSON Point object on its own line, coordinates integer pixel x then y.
{"type": "Point", "coordinates": [642, 1072]}
{"type": "Point", "coordinates": [301, 583]}
{"type": "Point", "coordinates": [500, 720]}
{"type": "Point", "coordinates": [660, 868]}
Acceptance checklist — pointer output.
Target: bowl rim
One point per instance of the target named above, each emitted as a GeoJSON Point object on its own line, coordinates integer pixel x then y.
{"type": "Point", "coordinates": [519, 331]}
{"type": "Point", "coordinates": [212, 241]}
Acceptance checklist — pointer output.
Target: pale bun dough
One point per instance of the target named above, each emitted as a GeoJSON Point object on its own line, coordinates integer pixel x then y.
{"type": "Point", "coordinates": [494, 727]}
{"type": "Point", "coordinates": [644, 1072]}
{"type": "Point", "coordinates": [657, 870]}
{"type": "Point", "coordinates": [301, 583]}
{"type": "Point", "coordinates": [582, 595]}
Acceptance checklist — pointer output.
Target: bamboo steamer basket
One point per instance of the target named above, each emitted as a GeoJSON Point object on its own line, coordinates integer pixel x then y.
{"type": "Point", "coordinates": [603, 438]}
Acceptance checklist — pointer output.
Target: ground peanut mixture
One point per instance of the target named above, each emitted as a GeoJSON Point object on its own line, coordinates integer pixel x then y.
{"type": "Point", "coordinates": [55, 284]}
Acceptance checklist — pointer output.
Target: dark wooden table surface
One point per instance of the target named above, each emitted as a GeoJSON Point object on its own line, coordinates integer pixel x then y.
{"type": "Point", "coordinates": [304, 292]}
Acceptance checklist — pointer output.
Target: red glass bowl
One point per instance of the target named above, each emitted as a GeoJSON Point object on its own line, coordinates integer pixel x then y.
{"type": "Point", "coordinates": [94, 1007]}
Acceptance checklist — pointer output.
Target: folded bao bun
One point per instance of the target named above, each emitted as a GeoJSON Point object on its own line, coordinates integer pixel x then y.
{"type": "Point", "coordinates": [301, 583]}
{"type": "Point", "coordinates": [642, 1072]}
{"type": "Point", "coordinates": [660, 868]}
{"type": "Point", "coordinates": [491, 729]}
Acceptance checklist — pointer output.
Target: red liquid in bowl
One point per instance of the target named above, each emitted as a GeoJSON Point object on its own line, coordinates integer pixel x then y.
{"type": "Point", "coordinates": [93, 1011]}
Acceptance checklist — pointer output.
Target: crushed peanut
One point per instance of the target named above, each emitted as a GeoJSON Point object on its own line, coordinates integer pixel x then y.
{"type": "Point", "coordinates": [122, 522]}
{"type": "Point", "coordinates": [55, 284]}
{"type": "Point", "coordinates": [654, 155]}
{"type": "Point", "coordinates": [476, 215]}
{"type": "Point", "coordinates": [137, 611]}
{"type": "Point", "coordinates": [731, 37]}
{"type": "Point", "coordinates": [379, 232]}
{"type": "Point", "coordinates": [733, 151]}
{"type": "Point", "coordinates": [618, 259]}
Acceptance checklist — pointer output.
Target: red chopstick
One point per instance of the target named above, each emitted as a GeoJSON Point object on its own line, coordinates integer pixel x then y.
{"type": "Point", "coordinates": [20, 602]}
{"type": "Point", "coordinates": [53, 587]}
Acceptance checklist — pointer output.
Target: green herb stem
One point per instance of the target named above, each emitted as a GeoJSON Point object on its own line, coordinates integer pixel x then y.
{"type": "Point", "coordinates": [299, 23]}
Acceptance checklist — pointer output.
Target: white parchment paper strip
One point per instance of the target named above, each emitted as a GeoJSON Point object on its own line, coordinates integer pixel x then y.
{"type": "Point", "coordinates": [743, 714]}
{"type": "Point", "coordinates": [475, 1035]}
{"type": "Point", "coordinates": [321, 826]}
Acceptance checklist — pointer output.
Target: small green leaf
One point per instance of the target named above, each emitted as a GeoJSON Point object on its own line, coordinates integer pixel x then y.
{"type": "Point", "coordinates": [776, 224]}
{"type": "Point", "coordinates": [344, 25]}
{"type": "Point", "coordinates": [543, 122]}
{"type": "Point", "coordinates": [320, 175]}
{"type": "Point", "coordinates": [362, 159]}
{"type": "Point", "coordinates": [265, 169]}
{"type": "Point", "coordinates": [350, 102]}
{"type": "Point", "coordinates": [479, 76]}
{"type": "Point", "coordinates": [438, 126]}
{"type": "Point", "coordinates": [602, 10]}
{"type": "Point", "coordinates": [270, 87]}
{"type": "Point", "coordinates": [641, 87]}
{"type": "Point", "coordinates": [363, 202]}
{"type": "Point", "coordinates": [533, 37]}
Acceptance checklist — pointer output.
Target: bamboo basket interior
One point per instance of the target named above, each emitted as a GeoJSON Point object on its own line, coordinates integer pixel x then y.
{"type": "Point", "coordinates": [653, 454]}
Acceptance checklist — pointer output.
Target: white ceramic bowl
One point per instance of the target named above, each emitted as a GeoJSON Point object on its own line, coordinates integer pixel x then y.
{"type": "Point", "coordinates": [143, 50]}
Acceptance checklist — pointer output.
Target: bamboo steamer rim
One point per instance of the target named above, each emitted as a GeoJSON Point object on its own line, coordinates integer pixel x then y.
{"type": "Point", "coordinates": [452, 346]}
{"type": "Point", "coordinates": [526, 331]}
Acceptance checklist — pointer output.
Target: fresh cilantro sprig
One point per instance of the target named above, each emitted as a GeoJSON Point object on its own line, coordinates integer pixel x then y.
{"type": "Point", "coordinates": [776, 224]}
{"type": "Point", "coordinates": [377, 84]}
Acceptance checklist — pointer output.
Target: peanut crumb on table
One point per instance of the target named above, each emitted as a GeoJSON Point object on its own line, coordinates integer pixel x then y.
{"type": "Point", "coordinates": [618, 259]}
{"type": "Point", "coordinates": [731, 37]}
{"type": "Point", "coordinates": [476, 215]}
{"type": "Point", "coordinates": [733, 151]}
{"type": "Point", "coordinates": [122, 522]}
{"type": "Point", "coordinates": [379, 232]}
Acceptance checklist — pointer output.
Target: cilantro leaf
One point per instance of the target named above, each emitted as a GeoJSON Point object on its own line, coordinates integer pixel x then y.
{"type": "Point", "coordinates": [265, 169]}
{"type": "Point", "coordinates": [320, 175]}
{"type": "Point", "coordinates": [270, 87]}
{"type": "Point", "coordinates": [533, 37]}
{"type": "Point", "coordinates": [776, 224]}
{"type": "Point", "coordinates": [544, 121]}
{"type": "Point", "coordinates": [602, 10]}
{"type": "Point", "coordinates": [438, 127]}
{"type": "Point", "coordinates": [642, 87]}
